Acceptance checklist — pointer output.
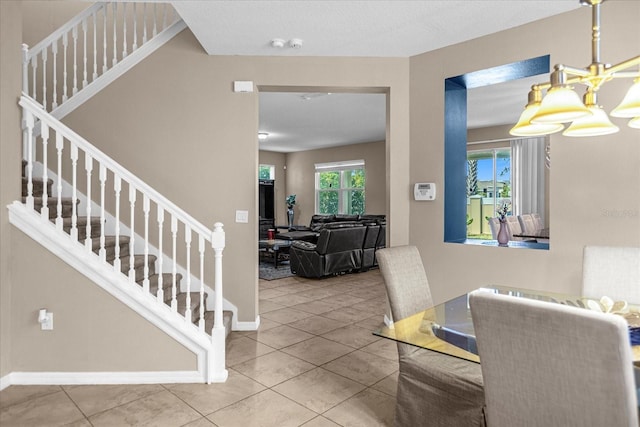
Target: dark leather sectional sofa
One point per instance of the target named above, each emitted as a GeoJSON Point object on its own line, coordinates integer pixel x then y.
{"type": "Point", "coordinates": [335, 244]}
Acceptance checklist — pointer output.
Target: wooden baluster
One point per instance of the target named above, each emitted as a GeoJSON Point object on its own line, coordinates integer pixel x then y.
{"type": "Point", "coordinates": [85, 82]}
{"type": "Point", "coordinates": [88, 165]}
{"type": "Point", "coordinates": [25, 68]}
{"type": "Point", "coordinates": [160, 293]}
{"type": "Point", "coordinates": [54, 96]}
{"type": "Point", "coordinates": [202, 307]}
{"type": "Point", "coordinates": [29, 122]}
{"type": "Point", "coordinates": [65, 45]}
{"type": "Point", "coordinates": [74, 197]}
{"type": "Point", "coordinates": [95, 48]}
{"type": "Point", "coordinates": [75, 60]}
{"type": "Point", "coordinates": [145, 209]}
{"type": "Point", "coordinates": [117, 186]}
{"type": "Point", "coordinates": [115, 38]}
{"type": "Point", "coordinates": [44, 78]}
{"type": "Point", "coordinates": [174, 235]}
{"type": "Point", "coordinates": [144, 20]}
{"type": "Point", "coordinates": [59, 147]}
{"type": "Point", "coordinates": [164, 16]}
{"type": "Point", "coordinates": [34, 69]}
{"type": "Point", "coordinates": [103, 182]}
{"type": "Point", "coordinates": [132, 202]}
{"type": "Point", "coordinates": [155, 19]}
{"type": "Point", "coordinates": [187, 241]}
{"type": "Point", "coordinates": [44, 134]}
{"type": "Point", "coordinates": [135, 28]}
{"type": "Point", "coordinates": [124, 30]}
{"type": "Point", "coordinates": [105, 67]}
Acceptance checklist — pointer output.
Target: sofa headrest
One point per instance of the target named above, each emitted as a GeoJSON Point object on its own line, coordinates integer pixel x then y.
{"type": "Point", "coordinates": [340, 239]}
{"type": "Point", "coordinates": [342, 217]}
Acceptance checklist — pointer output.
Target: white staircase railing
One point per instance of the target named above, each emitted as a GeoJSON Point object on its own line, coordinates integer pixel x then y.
{"type": "Point", "coordinates": [75, 160]}
{"type": "Point", "coordinates": [92, 50]}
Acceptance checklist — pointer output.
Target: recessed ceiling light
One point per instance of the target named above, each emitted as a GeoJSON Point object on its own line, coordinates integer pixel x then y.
{"type": "Point", "coordinates": [263, 136]}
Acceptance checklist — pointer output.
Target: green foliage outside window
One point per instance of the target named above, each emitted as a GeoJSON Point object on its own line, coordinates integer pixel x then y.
{"type": "Point", "coordinates": [348, 184]}
{"type": "Point", "coordinates": [264, 172]}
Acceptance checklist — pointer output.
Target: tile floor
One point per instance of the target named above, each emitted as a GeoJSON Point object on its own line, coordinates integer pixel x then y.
{"type": "Point", "coordinates": [313, 362]}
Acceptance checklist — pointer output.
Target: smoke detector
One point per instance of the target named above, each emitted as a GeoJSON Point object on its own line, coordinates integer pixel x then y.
{"type": "Point", "coordinates": [295, 43]}
{"type": "Point", "coordinates": [277, 43]}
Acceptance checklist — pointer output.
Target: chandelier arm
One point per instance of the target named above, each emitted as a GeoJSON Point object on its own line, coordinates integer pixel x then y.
{"type": "Point", "coordinates": [575, 71]}
{"type": "Point", "coordinates": [624, 65]}
{"type": "Point", "coordinates": [626, 75]}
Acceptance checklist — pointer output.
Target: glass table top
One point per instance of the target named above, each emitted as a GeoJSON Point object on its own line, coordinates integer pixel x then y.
{"type": "Point", "coordinates": [447, 328]}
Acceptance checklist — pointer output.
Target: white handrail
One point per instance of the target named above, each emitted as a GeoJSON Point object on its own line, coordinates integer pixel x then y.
{"type": "Point", "coordinates": [29, 104]}
{"type": "Point", "coordinates": [66, 62]}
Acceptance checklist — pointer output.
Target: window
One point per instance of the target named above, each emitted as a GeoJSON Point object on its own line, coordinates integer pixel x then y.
{"type": "Point", "coordinates": [488, 187]}
{"type": "Point", "coordinates": [340, 187]}
{"type": "Point", "coordinates": [266, 172]}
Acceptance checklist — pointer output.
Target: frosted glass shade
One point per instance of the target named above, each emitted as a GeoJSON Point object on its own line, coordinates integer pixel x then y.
{"type": "Point", "coordinates": [635, 123]}
{"type": "Point", "coordinates": [524, 127]}
{"type": "Point", "coordinates": [560, 105]}
{"type": "Point", "coordinates": [630, 105]}
{"type": "Point", "coordinates": [594, 125]}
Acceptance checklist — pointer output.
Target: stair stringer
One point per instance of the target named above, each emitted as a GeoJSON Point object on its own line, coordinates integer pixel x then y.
{"type": "Point", "coordinates": [131, 294]}
{"type": "Point", "coordinates": [110, 221]}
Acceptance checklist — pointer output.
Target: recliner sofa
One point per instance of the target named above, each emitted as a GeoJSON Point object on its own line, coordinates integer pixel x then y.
{"type": "Point", "coordinates": [339, 249]}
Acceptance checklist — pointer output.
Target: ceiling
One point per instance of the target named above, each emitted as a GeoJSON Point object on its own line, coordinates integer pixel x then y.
{"type": "Point", "coordinates": [376, 28]}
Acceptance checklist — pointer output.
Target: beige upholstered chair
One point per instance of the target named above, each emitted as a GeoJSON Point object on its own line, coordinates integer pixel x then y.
{"type": "Point", "coordinates": [537, 219]}
{"type": "Point", "coordinates": [514, 227]}
{"type": "Point", "coordinates": [434, 389]}
{"type": "Point", "coordinates": [527, 224]}
{"type": "Point", "coordinates": [548, 364]}
{"type": "Point", "coordinates": [494, 225]}
{"type": "Point", "coordinates": [611, 271]}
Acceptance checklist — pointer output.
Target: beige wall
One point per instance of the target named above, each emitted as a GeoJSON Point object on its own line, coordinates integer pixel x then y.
{"type": "Point", "coordinates": [583, 170]}
{"type": "Point", "coordinates": [10, 157]}
{"type": "Point", "coordinates": [279, 161]}
{"type": "Point", "coordinates": [89, 324]}
{"type": "Point", "coordinates": [301, 176]}
{"type": "Point", "coordinates": [184, 130]}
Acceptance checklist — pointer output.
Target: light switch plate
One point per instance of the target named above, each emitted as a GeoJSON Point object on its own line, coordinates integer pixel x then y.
{"type": "Point", "coordinates": [242, 216]}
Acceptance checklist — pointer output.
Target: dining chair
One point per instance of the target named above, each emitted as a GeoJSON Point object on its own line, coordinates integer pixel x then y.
{"type": "Point", "coordinates": [434, 389]}
{"type": "Point", "coordinates": [514, 227]}
{"type": "Point", "coordinates": [537, 219]}
{"type": "Point", "coordinates": [527, 223]}
{"type": "Point", "coordinates": [547, 364]}
{"type": "Point", "coordinates": [494, 225]}
{"type": "Point", "coordinates": [612, 271]}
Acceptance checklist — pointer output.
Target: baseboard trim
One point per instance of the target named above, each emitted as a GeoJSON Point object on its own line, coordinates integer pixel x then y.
{"type": "Point", "coordinates": [247, 326]}
{"type": "Point", "coordinates": [99, 378]}
{"type": "Point", "coordinates": [5, 382]}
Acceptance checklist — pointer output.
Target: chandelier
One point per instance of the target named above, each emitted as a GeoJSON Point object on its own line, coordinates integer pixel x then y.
{"type": "Point", "coordinates": [548, 114]}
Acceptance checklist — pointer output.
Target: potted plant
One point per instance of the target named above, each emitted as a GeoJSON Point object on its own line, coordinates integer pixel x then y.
{"type": "Point", "coordinates": [291, 201]}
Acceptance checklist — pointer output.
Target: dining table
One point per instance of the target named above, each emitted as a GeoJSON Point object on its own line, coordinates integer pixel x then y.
{"type": "Point", "coordinates": [542, 233]}
{"type": "Point", "coordinates": [448, 327]}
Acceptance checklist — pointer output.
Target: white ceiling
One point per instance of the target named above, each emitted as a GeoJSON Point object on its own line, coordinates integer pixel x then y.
{"type": "Point", "coordinates": [378, 28]}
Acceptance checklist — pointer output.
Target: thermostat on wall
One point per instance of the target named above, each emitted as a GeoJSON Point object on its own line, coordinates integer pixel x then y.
{"type": "Point", "coordinates": [424, 191]}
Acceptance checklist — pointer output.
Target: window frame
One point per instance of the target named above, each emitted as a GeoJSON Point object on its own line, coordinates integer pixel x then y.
{"type": "Point", "coordinates": [272, 171]}
{"type": "Point", "coordinates": [343, 190]}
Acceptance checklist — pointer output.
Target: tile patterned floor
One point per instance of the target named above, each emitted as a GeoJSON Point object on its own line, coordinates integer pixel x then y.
{"type": "Point", "coordinates": [313, 362]}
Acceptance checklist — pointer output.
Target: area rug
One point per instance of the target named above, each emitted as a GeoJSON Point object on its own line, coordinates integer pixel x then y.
{"type": "Point", "coordinates": [266, 271]}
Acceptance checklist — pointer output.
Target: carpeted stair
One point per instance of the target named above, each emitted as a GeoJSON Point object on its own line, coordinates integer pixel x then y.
{"type": "Point", "coordinates": [125, 259]}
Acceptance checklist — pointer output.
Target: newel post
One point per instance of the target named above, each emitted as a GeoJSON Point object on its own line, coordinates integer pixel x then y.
{"type": "Point", "coordinates": [218, 243]}
{"type": "Point", "coordinates": [25, 68]}
{"type": "Point", "coordinates": [216, 371]}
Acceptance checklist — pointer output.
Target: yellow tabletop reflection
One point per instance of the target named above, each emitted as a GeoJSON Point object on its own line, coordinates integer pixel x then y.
{"type": "Point", "coordinates": [447, 328]}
